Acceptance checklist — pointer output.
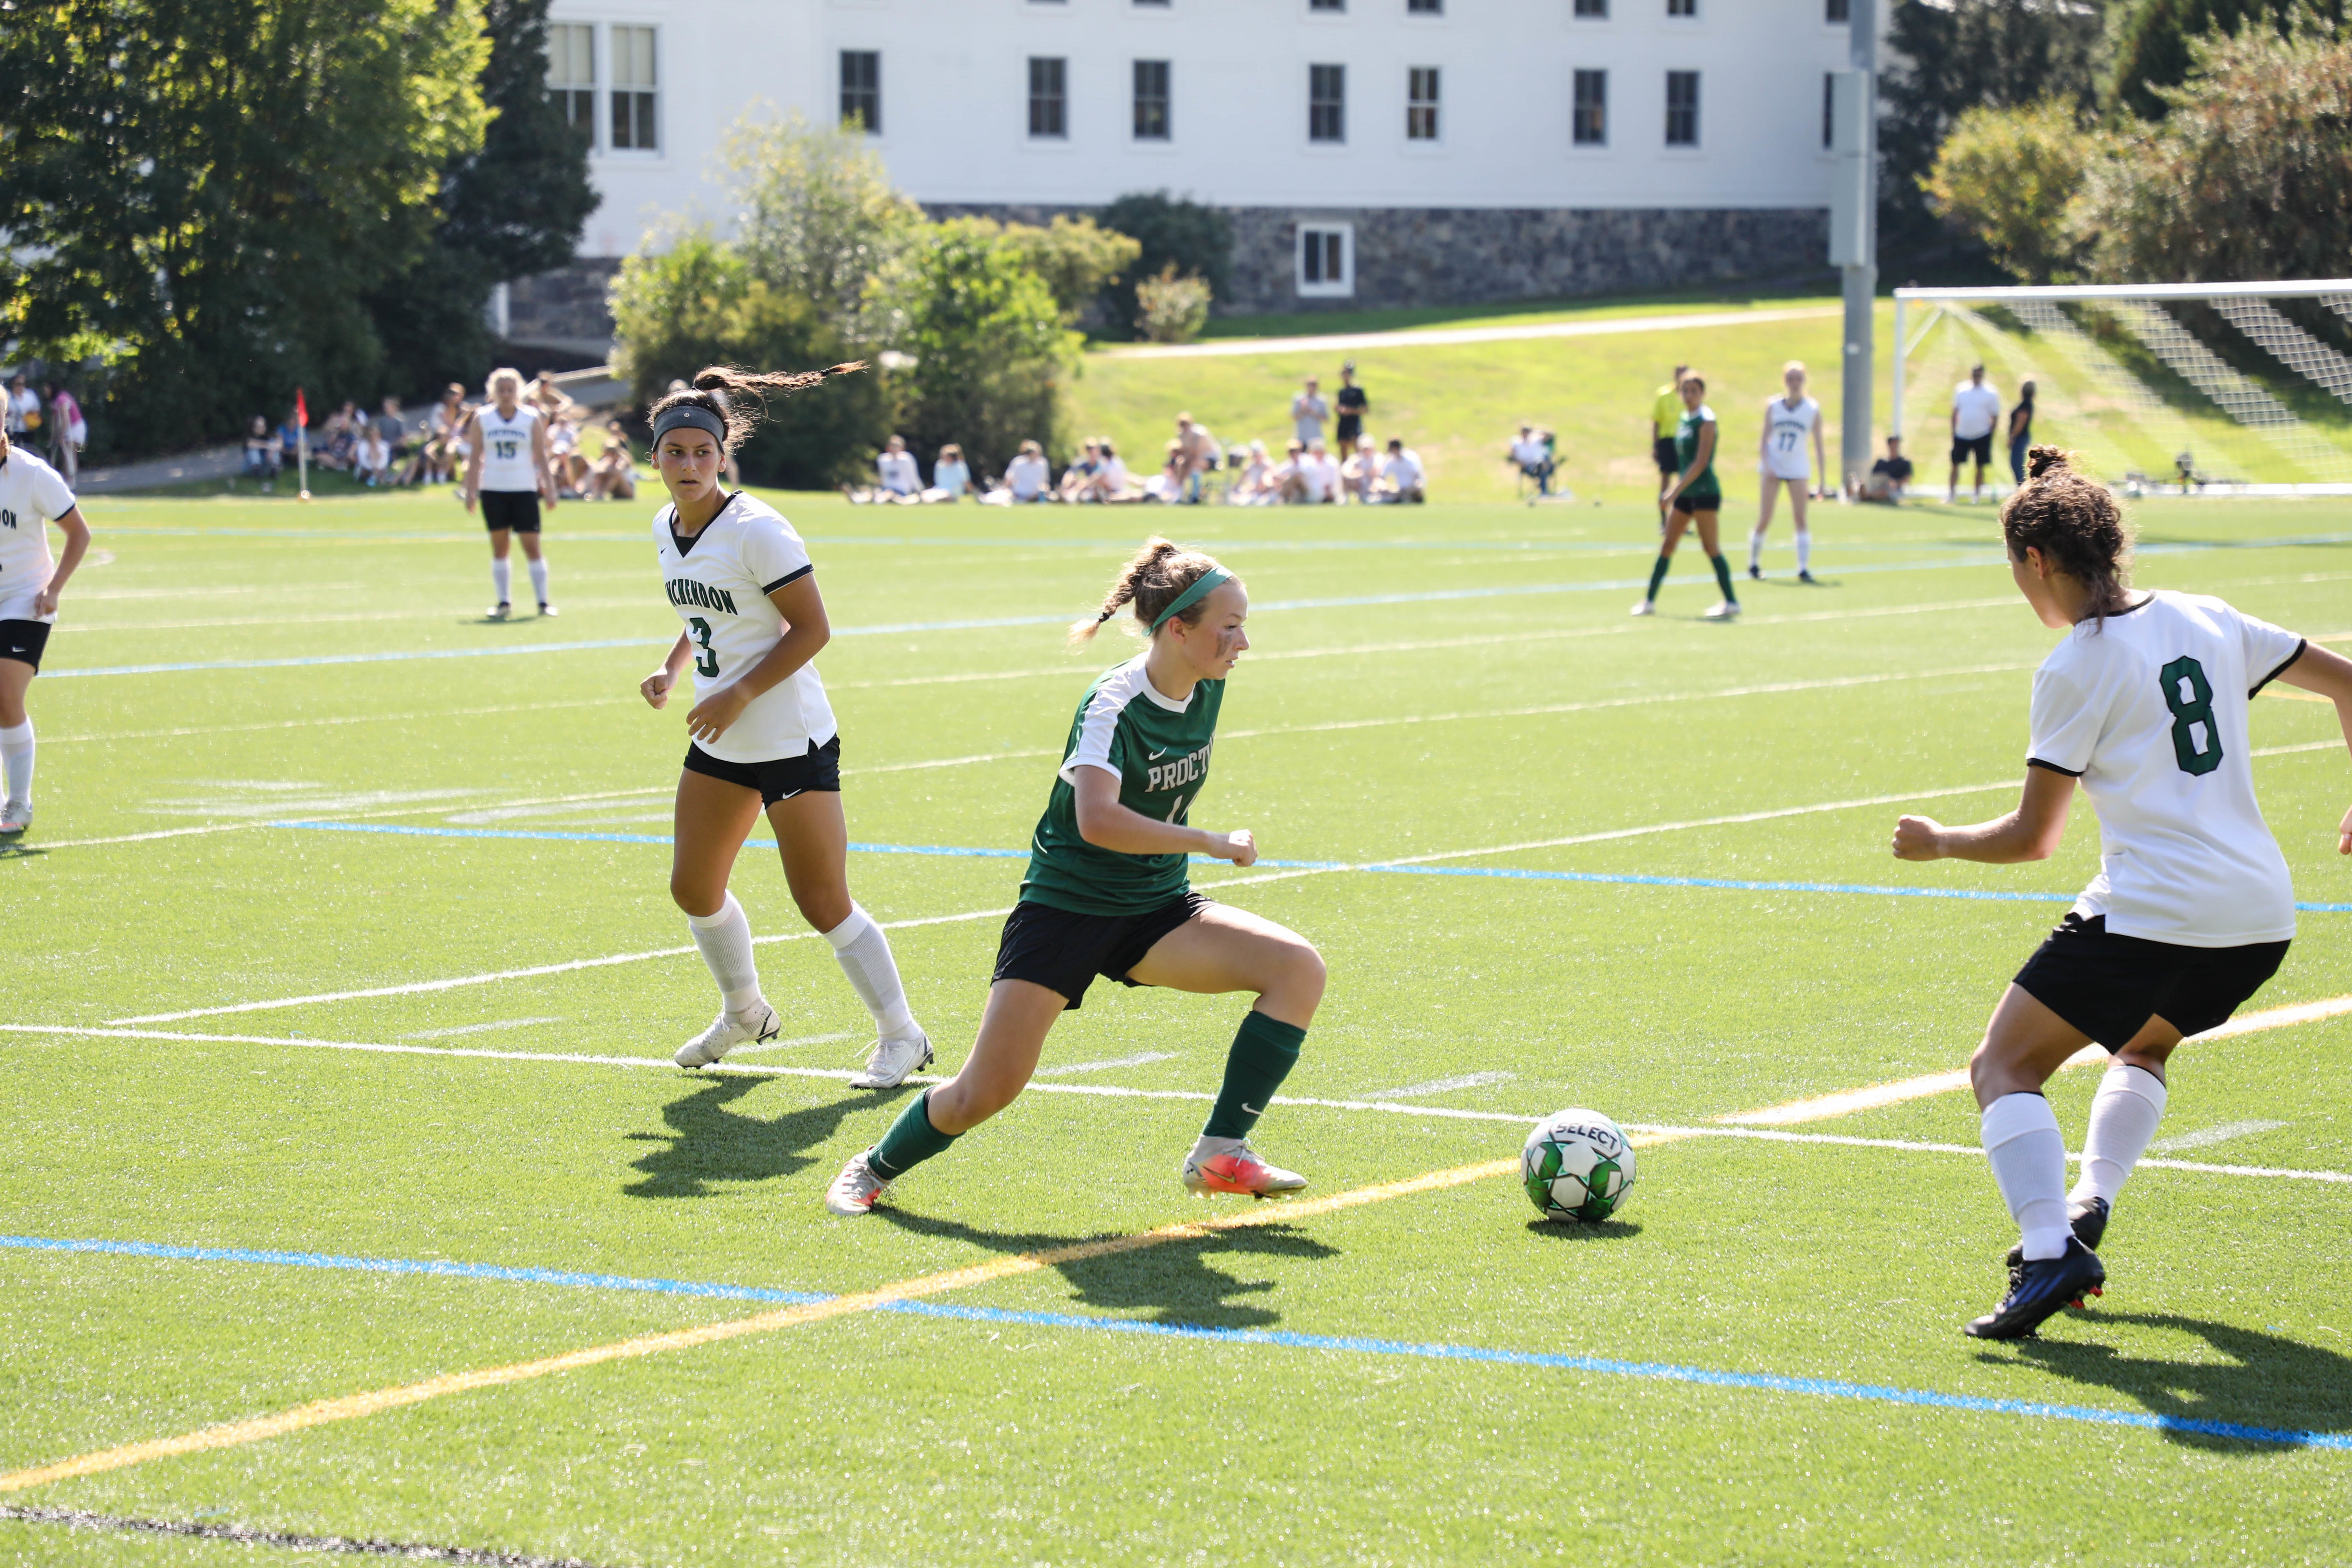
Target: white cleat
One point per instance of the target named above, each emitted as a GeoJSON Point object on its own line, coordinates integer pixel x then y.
{"type": "Point", "coordinates": [546, 610]}
{"type": "Point", "coordinates": [854, 1191]}
{"type": "Point", "coordinates": [1647, 607]}
{"type": "Point", "coordinates": [14, 818]}
{"type": "Point", "coordinates": [893, 1060]}
{"type": "Point", "coordinates": [498, 612]}
{"type": "Point", "coordinates": [726, 1032]}
{"type": "Point", "coordinates": [1726, 611]}
{"type": "Point", "coordinates": [1240, 1171]}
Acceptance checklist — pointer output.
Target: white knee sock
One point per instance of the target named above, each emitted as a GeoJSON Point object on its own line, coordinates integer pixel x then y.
{"type": "Point", "coordinates": [863, 951]}
{"type": "Point", "coordinates": [2028, 1160]}
{"type": "Point", "coordinates": [539, 580]}
{"type": "Point", "coordinates": [724, 939]}
{"type": "Point", "coordinates": [17, 760]}
{"type": "Point", "coordinates": [502, 579]}
{"type": "Point", "coordinates": [1804, 549]}
{"type": "Point", "coordinates": [2129, 1104]}
{"type": "Point", "coordinates": [1756, 548]}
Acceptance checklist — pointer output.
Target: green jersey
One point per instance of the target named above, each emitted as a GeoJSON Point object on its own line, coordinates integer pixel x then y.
{"type": "Point", "coordinates": [1159, 750]}
{"type": "Point", "coordinates": [1702, 483]}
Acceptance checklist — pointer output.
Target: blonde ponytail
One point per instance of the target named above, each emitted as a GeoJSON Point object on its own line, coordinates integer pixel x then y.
{"type": "Point", "coordinates": [1150, 581]}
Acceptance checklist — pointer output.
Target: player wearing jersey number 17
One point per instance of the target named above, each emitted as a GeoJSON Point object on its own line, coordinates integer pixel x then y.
{"type": "Point", "coordinates": [763, 735]}
{"type": "Point", "coordinates": [1780, 454]}
{"type": "Point", "coordinates": [1106, 893]}
{"type": "Point", "coordinates": [32, 496]}
{"type": "Point", "coordinates": [2144, 702]}
{"type": "Point", "coordinates": [507, 475]}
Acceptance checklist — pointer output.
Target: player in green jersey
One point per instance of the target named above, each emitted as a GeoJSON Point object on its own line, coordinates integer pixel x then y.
{"type": "Point", "coordinates": [1106, 893]}
{"type": "Point", "coordinates": [1693, 495]}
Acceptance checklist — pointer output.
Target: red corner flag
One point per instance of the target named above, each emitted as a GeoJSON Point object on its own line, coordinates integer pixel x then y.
{"type": "Point", "coordinates": [301, 410]}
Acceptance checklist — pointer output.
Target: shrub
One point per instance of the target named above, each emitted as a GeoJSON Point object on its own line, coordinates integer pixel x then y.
{"type": "Point", "coordinates": [1075, 257]}
{"type": "Point", "coordinates": [1172, 309]}
{"type": "Point", "coordinates": [2016, 179]}
{"type": "Point", "coordinates": [1198, 239]}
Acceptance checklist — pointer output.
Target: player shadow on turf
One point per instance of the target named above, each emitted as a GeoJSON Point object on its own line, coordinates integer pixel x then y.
{"type": "Point", "coordinates": [2257, 1379]}
{"type": "Point", "coordinates": [710, 1142]}
{"type": "Point", "coordinates": [12, 850]}
{"type": "Point", "coordinates": [1172, 1283]}
{"type": "Point", "coordinates": [1578, 1230]}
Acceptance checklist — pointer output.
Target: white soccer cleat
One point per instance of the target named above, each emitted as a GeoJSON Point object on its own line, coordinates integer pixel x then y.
{"type": "Point", "coordinates": [893, 1060]}
{"type": "Point", "coordinates": [726, 1032]}
{"type": "Point", "coordinates": [546, 610]}
{"type": "Point", "coordinates": [854, 1191]}
{"type": "Point", "coordinates": [16, 816]}
{"type": "Point", "coordinates": [1645, 607]}
{"type": "Point", "coordinates": [498, 612]}
{"type": "Point", "coordinates": [1726, 611]}
{"type": "Point", "coordinates": [1240, 1171]}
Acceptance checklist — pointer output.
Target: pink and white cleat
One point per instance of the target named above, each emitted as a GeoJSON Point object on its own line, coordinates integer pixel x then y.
{"type": "Point", "coordinates": [854, 1191]}
{"type": "Point", "coordinates": [1239, 1170]}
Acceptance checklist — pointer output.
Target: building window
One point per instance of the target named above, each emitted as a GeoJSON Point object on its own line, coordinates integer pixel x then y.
{"type": "Point", "coordinates": [1424, 8]}
{"type": "Point", "coordinates": [1049, 97]}
{"type": "Point", "coordinates": [1682, 7]}
{"type": "Point", "coordinates": [1326, 260]}
{"type": "Point", "coordinates": [1152, 100]}
{"type": "Point", "coordinates": [637, 83]}
{"type": "Point", "coordinates": [1161, 4]}
{"type": "Point", "coordinates": [1829, 110]}
{"type": "Point", "coordinates": [1421, 104]}
{"type": "Point", "coordinates": [572, 74]}
{"type": "Point", "coordinates": [1681, 109]}
{"type": "Point", "coordinates": [861, 89]}
{"type": "Point", "coordinates": [1594, 10]}
{"type": "Point", "coordinates": [1838, 13]}
{"type": "Point", "coordinates": [1326, 103]}
{"type": "Point", "coordinates": [1591, 119]}
{"type": "Point", "coordinates": [1327, 4]}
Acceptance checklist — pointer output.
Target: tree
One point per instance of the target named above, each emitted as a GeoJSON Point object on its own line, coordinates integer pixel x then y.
{"type": "Point", "coordinates": [212, 189]}
{"type": "Point", "coordinates": [817, 215]}
{"type": "Point", "coordinates": [2016, 178]}
{"type": "Point", "coordinates": [1196, 239]}
{"type": "Point", "coordinates": [2153, 42]}
{"type": "Point", "coordinates": [1075, 256]}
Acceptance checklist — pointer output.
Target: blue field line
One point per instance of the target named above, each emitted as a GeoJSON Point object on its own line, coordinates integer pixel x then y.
{"type": "Point", "coordinates": [1515, 873]}
{"type": "Point", "coordinates": [1350, 1344]}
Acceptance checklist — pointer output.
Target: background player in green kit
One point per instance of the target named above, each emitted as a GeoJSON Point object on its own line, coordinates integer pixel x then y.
{"type": "Point", "coordinates": [1693, 494]}
{"type": "Point", "coordinates": [1106, 893]}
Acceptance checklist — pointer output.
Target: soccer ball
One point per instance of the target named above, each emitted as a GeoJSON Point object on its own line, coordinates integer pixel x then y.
{"type": "Point", "coordinates": [1577, 1166]}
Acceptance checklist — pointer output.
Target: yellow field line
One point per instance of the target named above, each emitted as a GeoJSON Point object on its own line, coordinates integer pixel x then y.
{"type": "Point", "coordinates": [352, 1406]}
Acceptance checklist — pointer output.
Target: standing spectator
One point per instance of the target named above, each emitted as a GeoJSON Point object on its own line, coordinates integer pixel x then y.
{"type": "Point", "coordinates": [1403, 478]}
{"type": "Point", "coordinates": [1318, 474]}
{"type": "Point", "coordinates": [1976, 409]}
{"type": "Point", "coordinates": [1308, 412]}
{"type": "Point", "coordinates": [1360, 472]}
{"type": "Point", "coordinates": [1533, 454]}
{"type": "Point", "coordinates": [951, 476]}
{"type": "Point", "coordinates": [23, 410]}
{"type": "Point", "coordinates": [1353, 404]}
{"type": "Point", "coordinates": [1199, 444]}
{"type": "Point", "coordinates": [1888, 476]}
{"type": "Point", "coordinates": [69, 431]}
{"type": "Point", "coordinates": [261, 455]}
{"type": "Point", "coordinates": [2021, 431]}
{"type": "Point", "coordinates": [1028, 477]}
{"type": "Point", "coordinates": [1666, 422]}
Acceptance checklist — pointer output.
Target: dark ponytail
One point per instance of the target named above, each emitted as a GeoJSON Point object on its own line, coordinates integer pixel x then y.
{"type": "Point", "coordinates": [1152, 581]}
{"type": "Point", "coordinates": [739, 397]}
{"type": "Point", "coordinates": [2076, 525]}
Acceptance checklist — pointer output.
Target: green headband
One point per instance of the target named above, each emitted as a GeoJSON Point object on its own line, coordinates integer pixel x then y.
{"type": "Point", "coordinates": [1202, 586]}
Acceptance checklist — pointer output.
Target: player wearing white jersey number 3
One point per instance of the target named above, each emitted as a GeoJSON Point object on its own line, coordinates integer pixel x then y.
{"type": "Point", "coordinates": [32, 496]}
{"type": "Point", "coordinates": [2144, 703]}
{"type": "Point", "coordinates": [1789, 422]}
{"type": "Point", "coordinates": [507, 474]}
{"type": "Point", "coordinates": [763, 735]}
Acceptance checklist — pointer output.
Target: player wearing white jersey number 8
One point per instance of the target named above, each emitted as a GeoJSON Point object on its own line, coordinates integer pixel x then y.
{"type": "Point", "coordinates": [762, 734]}
{"type": "Point", "coordinates": [1789, 422]}
{"type": "Point", "coordinates": [2144, 702]}
{"type": "Point", "coordinates": [32, 496]}
{"type": "Point", "coordinates": [507, 474]}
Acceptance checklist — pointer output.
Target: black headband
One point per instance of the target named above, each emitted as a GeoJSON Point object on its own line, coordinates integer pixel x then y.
{"type": "Point", "coordinates": [692, 417]}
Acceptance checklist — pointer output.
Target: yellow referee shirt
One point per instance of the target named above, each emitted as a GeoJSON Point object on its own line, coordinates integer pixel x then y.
{"type": "Point", "coordinates": [1666, 414]}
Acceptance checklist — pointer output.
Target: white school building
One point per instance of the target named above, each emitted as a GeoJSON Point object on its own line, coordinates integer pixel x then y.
{"type": "Point", "coordinates": [1369, 153]}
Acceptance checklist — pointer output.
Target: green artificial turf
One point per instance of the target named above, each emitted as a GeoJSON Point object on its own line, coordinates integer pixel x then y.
{"type": "Point", "coordinates": [1459, 681]}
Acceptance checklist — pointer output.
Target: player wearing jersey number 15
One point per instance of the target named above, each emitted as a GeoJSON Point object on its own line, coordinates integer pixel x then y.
{"type": "Point", "coordinates": [507, 475]}
{"type": "Point", "coordinates": [2144, 704]}
{"type": "Point", "coordinates": [1107, 893]}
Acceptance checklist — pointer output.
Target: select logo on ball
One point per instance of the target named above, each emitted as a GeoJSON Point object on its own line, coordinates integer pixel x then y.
{"type": "Point", "coordinates": [1577, 1166]}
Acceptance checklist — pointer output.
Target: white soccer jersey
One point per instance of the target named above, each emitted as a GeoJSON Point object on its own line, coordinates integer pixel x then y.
{"type": "Point", "coordinates": [2149, 709]}
{"type": "Point", "coordinates": [508, 462]}
{"type": "Point", "coordinates": [1789, 437]}
{"type": "Point", "coordinates": [720, 582]}
{"type": "Point", "coordinates": [31, 493]}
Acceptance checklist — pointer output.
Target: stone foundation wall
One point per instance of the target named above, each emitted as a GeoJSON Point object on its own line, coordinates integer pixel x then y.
{"type": "Point", "coordinates": [565, 308]}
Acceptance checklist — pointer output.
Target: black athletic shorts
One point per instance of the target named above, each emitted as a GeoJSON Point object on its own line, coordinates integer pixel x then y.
{"type": "Point", "coordinates": [2108, 987]}
{"type": "Point", "coordinates": [1350, 426]}
{"type": "Point", "coordinates": [1063, 951]}
{"type": "Point", "coordinates": [1980, 446]}
{"type": "Point", "coordinates": [818, 771]}
{"type": "Point", "coordinates": [1706, 500]}
{"type": "Point", "coordinates": [1663, 451]}
{"type": "Point", "coordinates": [515, 510]}
{"type": "Point", "coordinates": [24, 640]}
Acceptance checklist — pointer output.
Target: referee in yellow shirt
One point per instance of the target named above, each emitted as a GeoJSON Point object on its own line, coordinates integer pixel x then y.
{"type": "Point", "coordinates": [1666, 420]}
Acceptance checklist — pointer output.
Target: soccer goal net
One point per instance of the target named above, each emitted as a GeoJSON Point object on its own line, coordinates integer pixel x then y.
{"type": "Point", "coordinates": [2212, 388]}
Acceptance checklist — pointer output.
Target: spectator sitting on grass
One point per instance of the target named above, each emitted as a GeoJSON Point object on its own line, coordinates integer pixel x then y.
{"type": "Point", "coordinates": [1079, 479]}
{"type": "Point", "coordinates": [1532, 453]}
{"type": "Point", "coordinates": [1360, 472]}
{"type": "Point", "coordinates": [1401, 476]}
{"type": "Point", "coordinates": [1318, 475]}
{"type": "Point", "coordinates": [1167, 486]}
{"type": "Point", "coordinates": [289, 440]}
{"type": "Point", "coordinates": [371, 458]}
{"type": "Point", "coordinates": [900, 481]}
{"type": "Point", "coordinates": [1888, 476]}
{"type": "Point", "coordinates": [1285, 485]}
{"type": "Point", "coordinates": [1028, 478]}
{"type": "Point", "coordinates": [1252, 473]}
{"type": "Point", "coordinates": [428, 459]}
{"type": "Point", "coordinates": [261, 455]}
{"type": "Point", "coordinates": [340, 443]}
{"type": "Point", "coordinates": [1198, 445]}
{"type": "Point", "coordinates": [951, 476]}
{"type": "Point", "coordinates": [565, 458]}
{"type": "Point", "coordinates": [614, 477]}
{"type": "Point", "coordinates": [394, 431]}
{"type": "Point", "coordinates": [1111, 482]}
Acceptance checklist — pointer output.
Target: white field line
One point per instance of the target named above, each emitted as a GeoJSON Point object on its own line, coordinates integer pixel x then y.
{"type": "Point", "coordinates": [410, 810]}
{"type": "Point", "coordinates": [1847, 1102]}
{"type": "Point", "coordinates": [491, 1027]}
{"type": "Point", "coordinates": [337, 718]}
{"type": "Point", "coordinates": [1445, 1085]}
{"type": "Point", "coordinates": [1645, 1131]}
{"type": "Point", "coordinates": [1140, 1058]}
{"type": "Point", "coordinates": [2206, 1137]}
{"type": "Point", "coordinates": [788, 1045]}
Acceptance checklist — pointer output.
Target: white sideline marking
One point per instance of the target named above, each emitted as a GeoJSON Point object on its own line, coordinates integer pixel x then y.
{"type": "Point", "coordinates": [337, 718]}
{"type": "Point", "coordinates": [2206, 1137]}
{"type": "Point", "coordinates": [1109, 1091]}
{"type": "Point", "coordinates": [787, 1044]}
{"type": "Point", "coordinates": [477, 1028]}
{"type": "Point", "coordinates": [1140, 1058]}
{"type": "Point", "coordinates": [1846, 1102]}
{"type": "Point", "coordinates": [1445, 1085]}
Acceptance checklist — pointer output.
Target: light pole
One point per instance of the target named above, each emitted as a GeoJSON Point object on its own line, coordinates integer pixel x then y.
{"type": "Point", "coordinates": [1853, 226]}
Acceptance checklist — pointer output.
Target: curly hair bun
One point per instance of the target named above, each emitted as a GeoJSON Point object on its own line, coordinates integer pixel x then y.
{"type": "Point", "coordinates": [2043, 460]}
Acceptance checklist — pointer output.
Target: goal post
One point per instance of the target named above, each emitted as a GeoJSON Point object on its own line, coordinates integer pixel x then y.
{"type": "Point", "coordinates": [2209, 386]}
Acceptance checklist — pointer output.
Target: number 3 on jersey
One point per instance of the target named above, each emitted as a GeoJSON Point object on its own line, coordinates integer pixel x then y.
{"type": "Point", "coordinates": [706, 663]}
{"type": "Point", "coordinates": [2190, 696]}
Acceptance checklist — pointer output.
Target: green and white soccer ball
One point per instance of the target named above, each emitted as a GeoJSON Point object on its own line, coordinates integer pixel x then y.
{"type": "Point", "coordinates": [1577, 1166]}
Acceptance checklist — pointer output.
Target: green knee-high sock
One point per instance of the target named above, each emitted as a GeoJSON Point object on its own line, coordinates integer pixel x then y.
{"type": "Point", "coordinates": [1658, 573]}
{"type": "Point", "coordinates": [1722, 576]}
{"type": "Point", "coordinates": [1264, 1050]}
{"type": "Point", "coordinates": [911, 1141]}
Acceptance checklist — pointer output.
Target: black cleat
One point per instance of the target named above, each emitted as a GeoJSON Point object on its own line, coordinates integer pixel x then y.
{"type": "Point", "coordinates": [1804, 576]}
{"type": "Point", "coordinates": [2038, 1289]}
{"type": "Point", "coordinates": [2089, 1219]}
{"type": "Point", "coordinates": [1756, 572]}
